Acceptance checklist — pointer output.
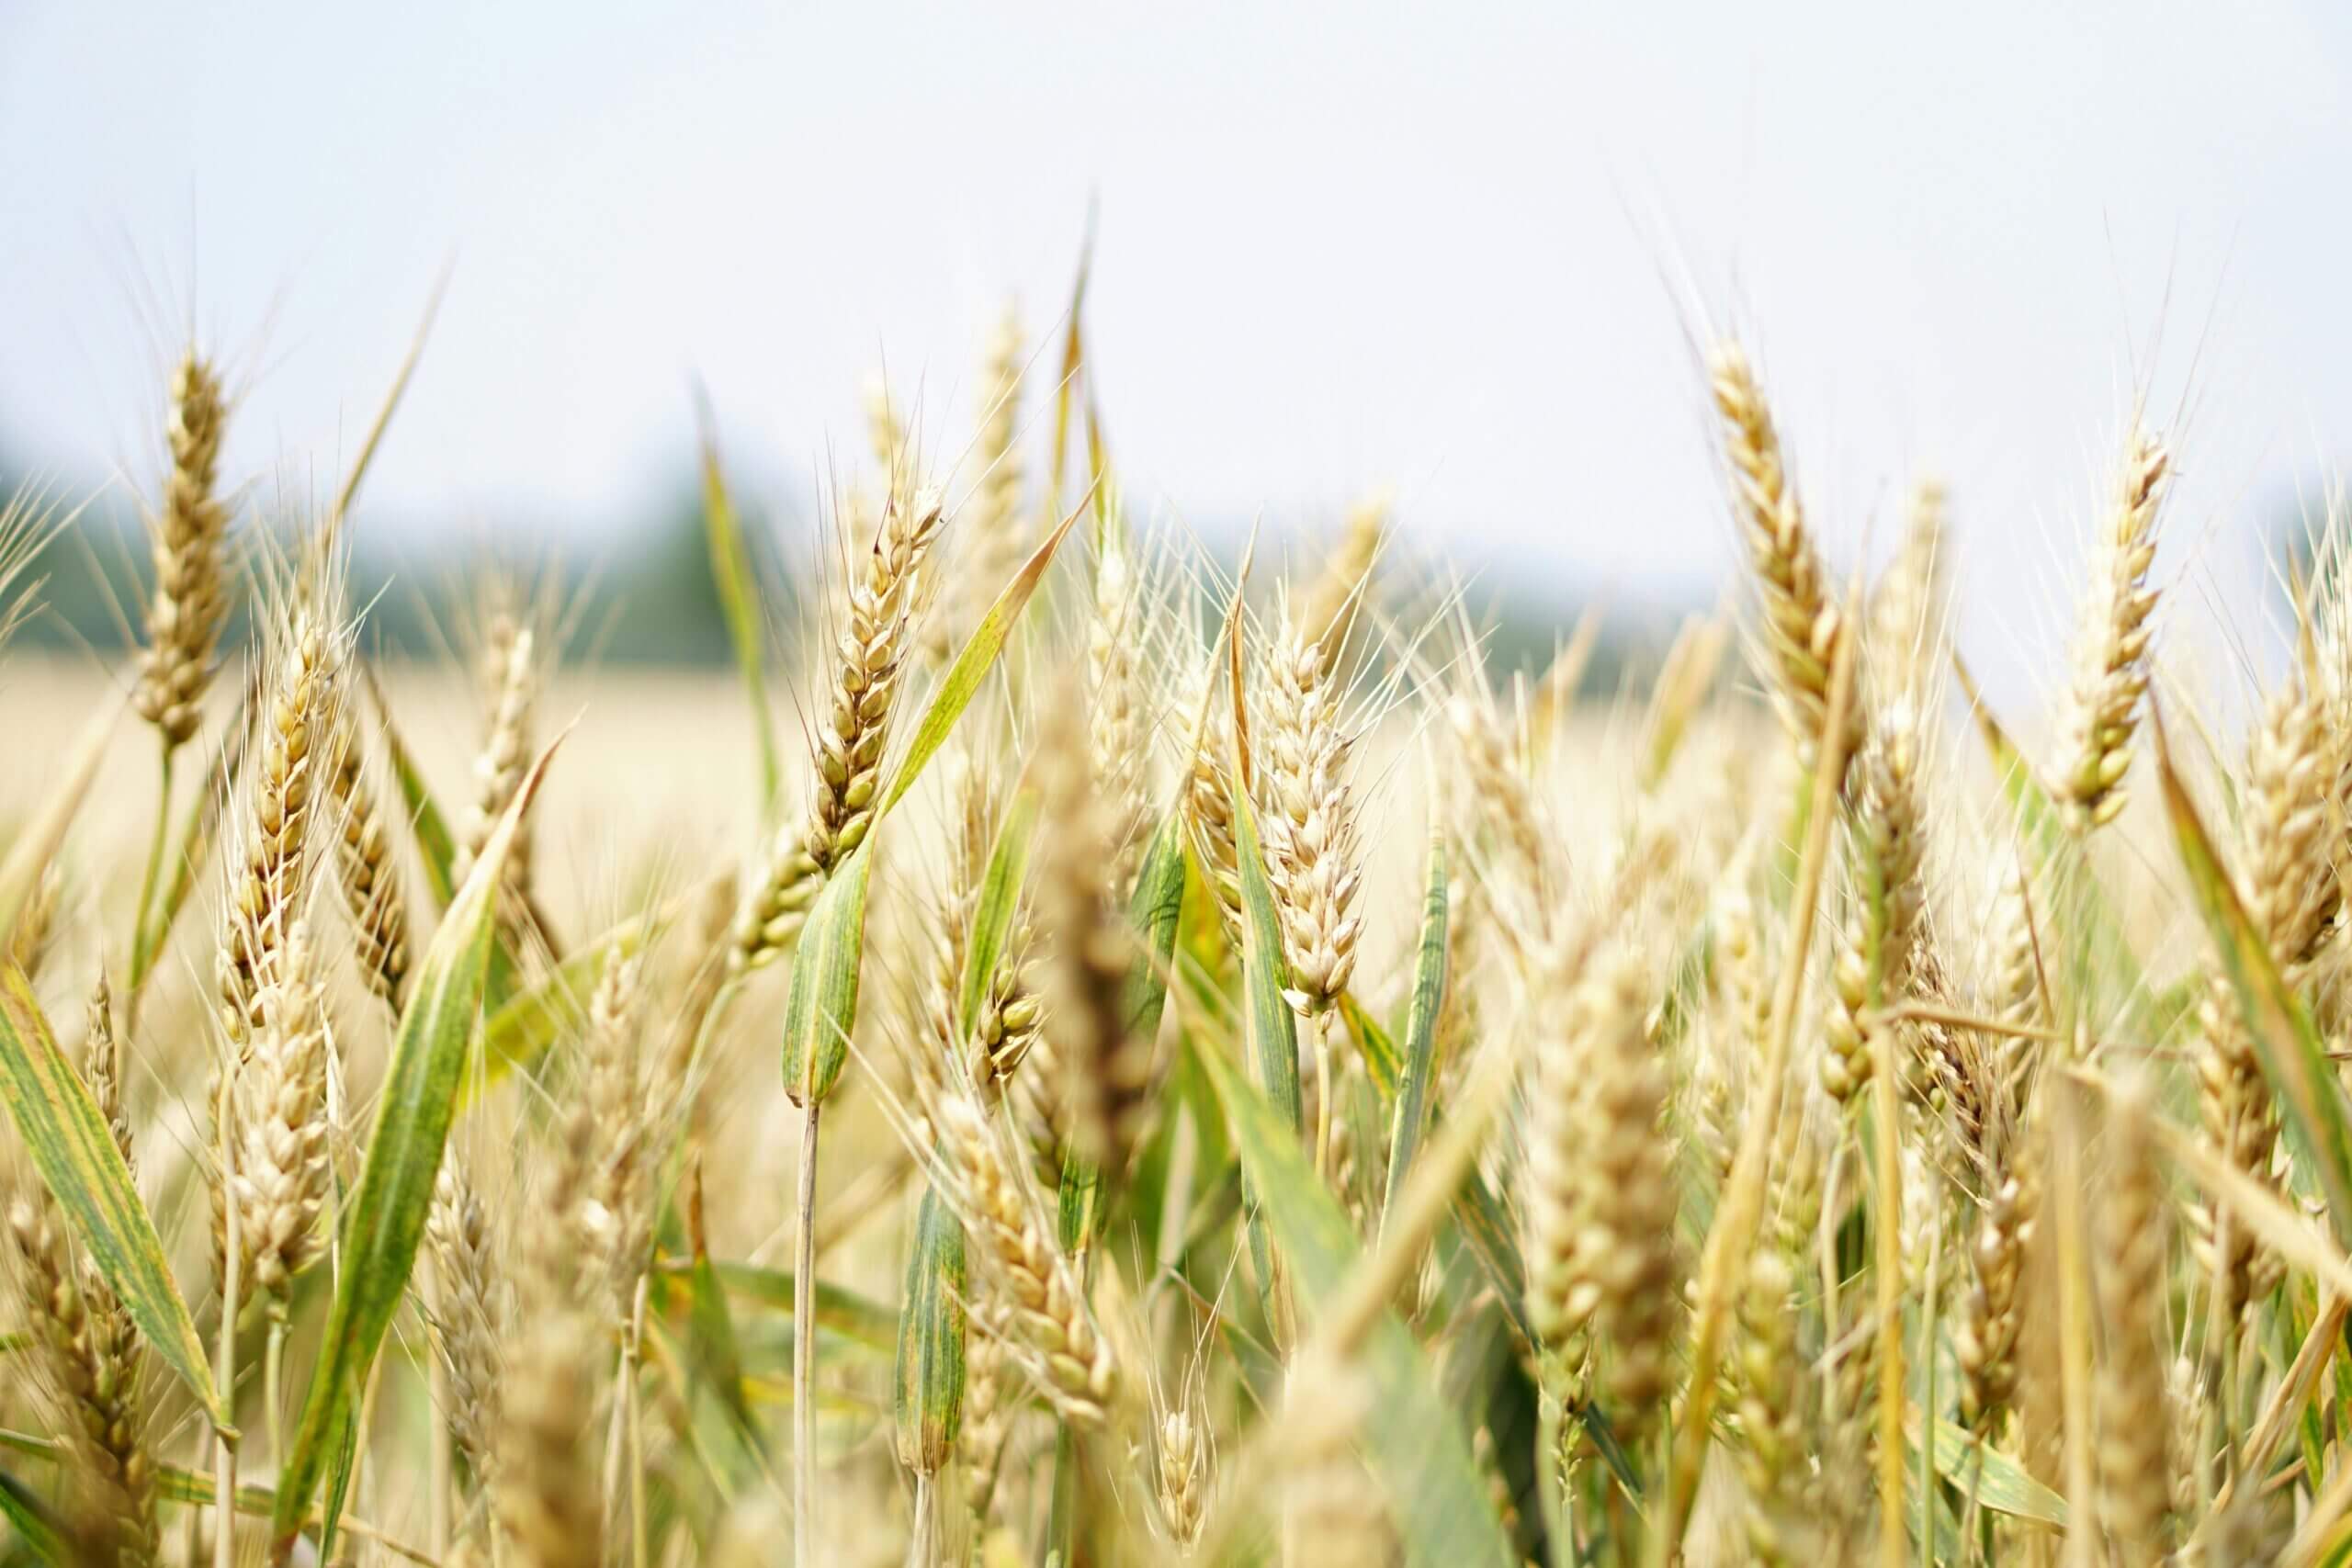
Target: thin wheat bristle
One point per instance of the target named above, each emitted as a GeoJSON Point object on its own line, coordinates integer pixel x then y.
{"type": "Point", "coordinates": [190, 530]}
{"type": "Point", "coordinates": [2111, 644]}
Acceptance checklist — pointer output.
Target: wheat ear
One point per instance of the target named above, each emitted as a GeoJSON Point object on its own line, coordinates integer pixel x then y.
{"type": "Point", "coordinates": [2111, 647]}
{"type": "Point", "coordinates": [1803, 622]}
{"type": "Point", "coordinates": [189, 533]}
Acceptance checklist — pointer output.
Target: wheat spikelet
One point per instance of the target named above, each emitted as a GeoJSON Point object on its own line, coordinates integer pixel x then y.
{"type": "Point", "coordinates": [615, 1113]}
{"type": "Point", "coordinates": [1052, 1331]}
{"type": "Point", "coordinates": [1117, 736]}
{"type": "Point", "coordinates": [1333, 599]}
{"type": "Point", "coordinates": [1207, 801]}
{"type": "Point", "coordinates": [279, 1180]}
{"type": "Point", "coordinates": [2111, 644]}
{"type": "Point", "coordinates": [2292, 896]}
{"type": "Point", "coordinates": [1182, 1472]}
{"type": "Point", "coordinates": [1744, 984]}
{"type": "Point", "coordinates": [1313, 859]}
{"type": "Point", "coordinates": [1876, 960]}
{"type": "Point", "coordinates": [102, 1069]}
{"type": "Point", "coordinates": [1495, 796]}
{"type": "Point", "coordinates": [777, 904]}
{"type": "Point", "coordinates": [1986, 1342]}
{"type": "Point", "coordinates": [1774, 1450]}
{"type": "Point", "coordinates": [366, 874]}
{"type": "Point", "coordinates": [188, 540]}
{"type": "Point", "coordinates": [995, 526]}
{"type": "Point", "coordinates": [510, 677]}
{"type": "Point", "coordinates": [1911, 604]}
{"type": "Point", "coordinates": [2134, 1470]}
{"type": "Point", "coordinates": [988, 1409]}
{"type": "Point", "coordinates": [90, 1355]}
{"type": "Point", "coordinates": [1560, 1294]}
{"type": "Point", "coordinates": [1087, 950]}
{"type": "Point", "coordinates": [1624, 1220]}
{"type": "Point", "coordinates": [37, 931]}
{"type": "Point", "coordinates": [472, 1312]}
{"type": "Point", "coordinates": [1803, 622]}
{"type": "Point", "coordinates": [549, 1500]}
{"type": "Point", "coordinates": [882, 602]}
{"type": "Point", "coordinates": [269, 877]}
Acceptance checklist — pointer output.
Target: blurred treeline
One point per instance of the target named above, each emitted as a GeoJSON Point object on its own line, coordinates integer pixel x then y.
{"type": "Point", "coordinates": [645, 595]}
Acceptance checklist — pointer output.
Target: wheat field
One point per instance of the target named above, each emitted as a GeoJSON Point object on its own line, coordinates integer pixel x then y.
{"type": "Point", "coordinates": [1084, 1051]}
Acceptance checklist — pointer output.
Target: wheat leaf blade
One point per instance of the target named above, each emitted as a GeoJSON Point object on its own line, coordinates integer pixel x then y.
{"type": "Point", "coordinates": [961, 681]}
{"type": "Point", "coordinates": [738, 598]}
{"type": "Point", "coordinates": [2284, 1041]}
{"type": "Point", "coordinates": [821, 1007]}
{"type": "Point", "coordinates": [386, 1209]}
{"type": "Point", "coordinates": [436, 845]}
{"type": "Point", "coordinates": [999, 901]}
{"type": "Point", "coordinates": [1421, 1028]}
{"type": "Point", "coordinates": [1156, 910]}
{"type": "Point", "coordinates": [1415, 1442]}
{"type": "Point", "coordinates": [67, 1138]}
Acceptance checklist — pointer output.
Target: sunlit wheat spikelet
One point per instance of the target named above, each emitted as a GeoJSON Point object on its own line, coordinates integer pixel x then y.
{"type": "Point", "coordinates": [1313, 854]}
{"type": "Point", "coordinates": [1803, 622]}
{"type": "Point", "coordinates": [2102, 710]}
{"type": "Point", "coordinates": [188, 532]}
{"type": "Point", "coordinates": [280, 1176]}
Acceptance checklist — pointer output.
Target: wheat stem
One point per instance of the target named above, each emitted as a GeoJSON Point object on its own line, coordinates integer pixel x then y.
{"type": "Point", "coordinates": [803, 1349]}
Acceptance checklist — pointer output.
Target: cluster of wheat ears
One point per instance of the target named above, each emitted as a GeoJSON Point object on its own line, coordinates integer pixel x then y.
{"type": "Point", "coordinates": [1291, 1093]}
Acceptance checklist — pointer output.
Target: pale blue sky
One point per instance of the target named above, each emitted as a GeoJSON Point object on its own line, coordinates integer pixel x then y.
{"type": "Point", "coordinates": [1453, 248]}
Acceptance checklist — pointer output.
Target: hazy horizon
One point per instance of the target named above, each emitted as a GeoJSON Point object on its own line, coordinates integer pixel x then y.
{"type": "Point", "coordinates": [1462, 255]}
